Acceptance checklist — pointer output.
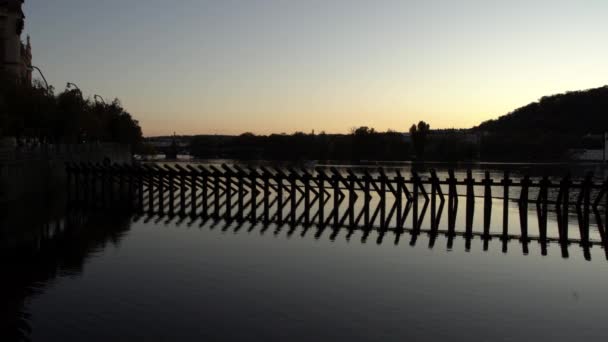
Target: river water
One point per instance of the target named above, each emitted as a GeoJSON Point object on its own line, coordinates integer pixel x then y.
{"type": "Point", "coordinates": [91, 276]}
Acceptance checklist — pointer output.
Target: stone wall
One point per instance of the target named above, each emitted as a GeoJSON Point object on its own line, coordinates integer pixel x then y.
{"type": "Point", "coordinates": [40, 171]}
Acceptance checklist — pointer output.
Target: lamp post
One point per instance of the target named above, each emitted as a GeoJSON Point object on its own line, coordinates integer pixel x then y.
{"type": "Point", "coordinates": [33, 67]}
{"type": "Point", "coordinates": [72, 85]}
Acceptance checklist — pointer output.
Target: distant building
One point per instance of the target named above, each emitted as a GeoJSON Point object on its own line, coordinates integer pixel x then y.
{"type": "Point", "coordinates": [15, 56]}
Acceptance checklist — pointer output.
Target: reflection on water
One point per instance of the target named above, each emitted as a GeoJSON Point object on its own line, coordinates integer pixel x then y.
{"type": "Point", "coordinates": [94, 276]}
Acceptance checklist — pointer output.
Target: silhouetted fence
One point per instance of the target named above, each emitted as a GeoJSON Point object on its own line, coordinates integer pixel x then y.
{"type": "Point", "coordinates": [339, 198]}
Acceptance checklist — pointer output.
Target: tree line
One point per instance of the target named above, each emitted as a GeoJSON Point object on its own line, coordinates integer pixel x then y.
{"type": "Point", "coordinates": [361, 144]}
{"type": "Point", "coordinates": [35, 114]}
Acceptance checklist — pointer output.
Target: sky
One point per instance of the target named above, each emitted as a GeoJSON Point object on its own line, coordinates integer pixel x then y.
{"type": "Point", "coordinates": [274, 66]}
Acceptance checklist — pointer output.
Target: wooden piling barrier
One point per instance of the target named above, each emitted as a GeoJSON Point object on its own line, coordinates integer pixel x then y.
{"type": "Point", "coordinates": [156, 187]}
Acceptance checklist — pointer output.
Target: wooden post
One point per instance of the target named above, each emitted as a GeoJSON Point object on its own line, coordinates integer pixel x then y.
{"type": "Point", "coordinates": [487, 205]}
{"type": "Point", "coordinates": [182, 191]}
{"type": "Point", "coordinates": [228, 192]}
{"type": "Point", "coordinates": [216, 194]}
{"type": "Point", "coordinates": [171, 191]}
{"type": "Point", "coordinates": [161, 190]}
{"type": "Point", "coordinates": [279, 179]}
{"type": "Point", "coordinates": [204, 189]}
{"type": "Point", "coordinates": [266, 178]}
{"type": "Point", "coordinates": [193, 193]}
{"type": "Point", "coordinates": [506, 183]}
{"type": "Point", "coordinates": [336, 186]}
{"type": "Point", "coordinates": [351, 200]}
{"type": "Point", "coordinates": [254, 193]}
{"type": "Point", "coordinates": [306, 180]}
{"type": "Point", "coordinates": [293, 195]}
{"type": "Point", "coordinates": [366, 182]}
{"type": "Point", "coordinates": [452, 202]}
{"type": "Point", "coordinates": [542, 208]}
{"type": "Point", "coordinates": [415, 192]}
{"type": "Point", "coordinates": [400, 183]}
{"type": "Point", "coordinates": [470, 202]}
{"type": "Point", "coordinates": [565, 190]}
{"type": "Point", "coordinates": [382, 179]}
{"type": "Point", "coordinates": [523, 206]}
{"type": "Point", "coordinates": [321, 179]}
{"type": "Point", "coordinates": [586, 199]}
{"type": "Point", "coordinates": [434, 186]}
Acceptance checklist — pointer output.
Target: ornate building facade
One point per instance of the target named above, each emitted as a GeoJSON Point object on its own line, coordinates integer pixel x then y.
{"type": "Point", "coordinates": [15, 56]}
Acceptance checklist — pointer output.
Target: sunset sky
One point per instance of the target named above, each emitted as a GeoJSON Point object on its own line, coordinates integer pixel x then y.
{"type": "Point", "coordinates": [227, 66]}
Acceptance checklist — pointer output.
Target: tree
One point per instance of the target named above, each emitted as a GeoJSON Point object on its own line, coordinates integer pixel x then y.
{"type": "Point", "coordinates": [419, 134]}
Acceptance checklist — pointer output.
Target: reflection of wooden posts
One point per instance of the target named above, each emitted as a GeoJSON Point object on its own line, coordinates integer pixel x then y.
{"type": "Point", "coordinates": [253, 175]}
{"type": "Point", "coordinates": [487, 204]}
{"type": "Point", "coordinates": [469, 182]}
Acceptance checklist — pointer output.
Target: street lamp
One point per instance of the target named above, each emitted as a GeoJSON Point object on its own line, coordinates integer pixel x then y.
{"type": "Point", "coordinates": [33, 67]}
{"type": "Point", "coordinates": [98, 96]}
{"type": "Point", "coordinates": [72, 85]}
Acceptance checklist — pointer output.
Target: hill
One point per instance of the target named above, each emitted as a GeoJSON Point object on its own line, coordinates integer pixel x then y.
{"type": "Point", "coordinates": [547, 129]}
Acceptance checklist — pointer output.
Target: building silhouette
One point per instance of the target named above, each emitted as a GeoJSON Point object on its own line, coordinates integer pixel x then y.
{"type": "Point", "coordinates": [15, 56]}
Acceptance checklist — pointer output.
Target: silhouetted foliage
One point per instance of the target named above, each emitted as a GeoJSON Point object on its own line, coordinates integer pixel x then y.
{"type": "Point", "coordinates": [36, 113]}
